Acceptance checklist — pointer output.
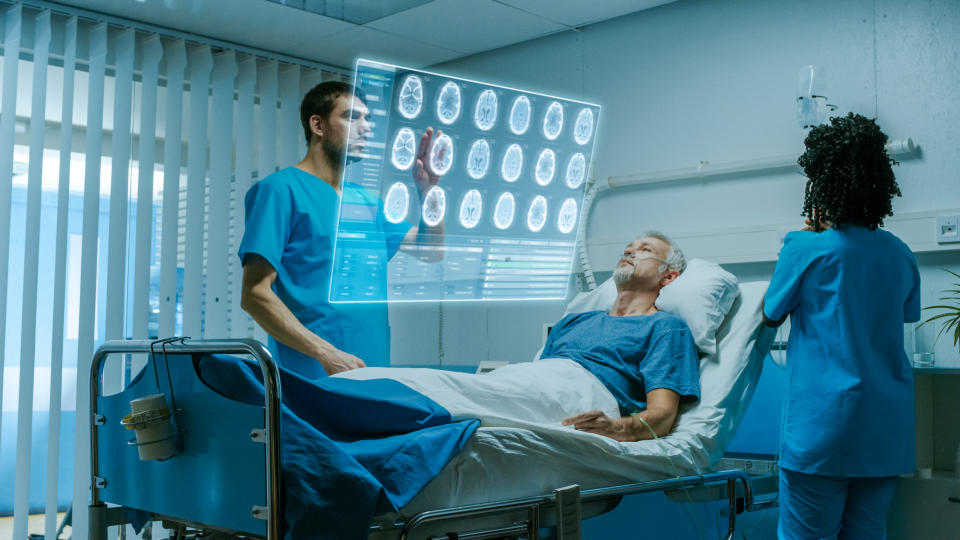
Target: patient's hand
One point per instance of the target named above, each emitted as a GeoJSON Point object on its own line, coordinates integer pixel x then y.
{"type": "Point", "coordinates": [597, 422]}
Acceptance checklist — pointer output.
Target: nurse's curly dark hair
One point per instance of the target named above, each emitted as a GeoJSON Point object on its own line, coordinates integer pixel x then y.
{"type": "Point", "coordinates": [850, 176]}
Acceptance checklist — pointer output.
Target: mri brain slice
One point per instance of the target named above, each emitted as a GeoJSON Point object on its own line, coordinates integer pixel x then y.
{"type": "Point", "coordinates": [471, 208]}
{"type": "Point", "coordinates": [478, 159]}
{"type": "Point", "coordinates": [520, 115]}
{"type": "Point", "coordinates": [583, 127]}
{"type": "Point", "coordinates": [397, 203]}
{"type": "Point", "coordinates": [576, 170]}
{"type": "Point", "coordinates": [434, 206]}
{"type": "Point", "coordinates": [567, 217]}
{"type": "Point", "coordinates": [553, 121]}
{"type": "Point", "coordinates": [546, 166]}
{"type": "Point", "coordinates": [504, 210]}
{"type": "Point", "coordinates": [537, 213]}
{"type": "Point", "coordinates": [448, 103]}
{"type": "Point", "coordinates": [485, 113]}
{"type": "Point", "coordinates": [404, 149]}
{"type": "Point", "coordinates": [512, 164]}
{"type": "Point", "coordinates": [410, 102]}
{"type": "Point", "coordinates": [441, 154]}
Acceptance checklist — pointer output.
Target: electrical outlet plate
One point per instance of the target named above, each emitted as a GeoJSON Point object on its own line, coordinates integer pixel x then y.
{"type": "Point", "coordinates": [948, 229]}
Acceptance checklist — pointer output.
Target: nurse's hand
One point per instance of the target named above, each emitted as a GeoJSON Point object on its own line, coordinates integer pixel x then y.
{"type": "Point", "coordinates": [422, 174]}
{"type": "Point", "coordinates": [338, 361]}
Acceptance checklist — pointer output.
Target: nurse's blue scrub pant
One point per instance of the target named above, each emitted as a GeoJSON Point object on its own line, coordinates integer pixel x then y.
{"type": "Point", "coordinates": [815, 507]}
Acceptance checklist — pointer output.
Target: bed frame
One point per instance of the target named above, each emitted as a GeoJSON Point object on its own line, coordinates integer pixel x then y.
{"type": "Point", "coordinates": [240, 493]}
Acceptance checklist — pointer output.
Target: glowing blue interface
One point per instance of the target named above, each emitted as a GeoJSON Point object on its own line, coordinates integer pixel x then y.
{"type": "Point", "coordinates": [501, 221]}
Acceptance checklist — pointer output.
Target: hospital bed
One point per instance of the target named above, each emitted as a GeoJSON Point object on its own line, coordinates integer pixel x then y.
{"type": "Point", "coordinates": [227, 479]}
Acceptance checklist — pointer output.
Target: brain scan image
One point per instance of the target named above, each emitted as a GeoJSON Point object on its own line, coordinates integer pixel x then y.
{"type": "Point", "coordinates": [478, 160]}
{"type": "Point", "coordinates": [583, 127]}
{"type": "Point", "coordinates": [553, 121]}
{"type": "Point", "coordinates": [504, 210]}
{"type": "Point", "coordinates": [567, 218]}
{"type": "Point", "coordinates": [448, 103]}
{"type": "Point", "coordinates": [434, 206]}
{"type": "Point", "coordinates": [520, 115]}
{"type": "Point", "coordinates": [546, 165]}
{"type": "Point", "coordinates": [404, 149]}
{"type": "Point", "coordinates": [485, 113]}
{"type": "Point", "coordinates": [576, 170]}
{"type": "Point", "coordinates": [441, 154]}
{"type": "Point", "coordinates": [411, 97]}
{"type": "Point", "coordinates": [537, 214]}
{"type": "Point", "coordinates": [471, 208]}
{"type": "Point", "coordinates": [396, 203]}
{"type": "Point", "coordinates": [512, 164]}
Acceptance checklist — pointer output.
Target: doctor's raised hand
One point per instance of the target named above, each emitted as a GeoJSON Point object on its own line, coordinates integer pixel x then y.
{"type": "Point", "coordinates": [433, 159]}
{"type": "Point", "coordinates": [423, 173]}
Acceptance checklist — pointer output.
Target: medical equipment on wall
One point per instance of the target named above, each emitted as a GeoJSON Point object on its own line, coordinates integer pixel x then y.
{"type": "Point", "coordinates": [511, 164]}
{"type": "Point", "coordinates": [812, 106]}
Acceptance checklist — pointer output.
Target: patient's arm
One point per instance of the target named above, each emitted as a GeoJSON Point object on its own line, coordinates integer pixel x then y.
{"type": "Point", "coordinates": [660, 414]}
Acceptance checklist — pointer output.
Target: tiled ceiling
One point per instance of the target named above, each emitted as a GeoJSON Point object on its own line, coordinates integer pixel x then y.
{"type": "Point", "coordinates": [415, 33]}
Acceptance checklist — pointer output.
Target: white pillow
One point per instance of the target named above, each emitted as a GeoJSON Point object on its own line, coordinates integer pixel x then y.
{"type": "Point", "coordinates": [702, 296]}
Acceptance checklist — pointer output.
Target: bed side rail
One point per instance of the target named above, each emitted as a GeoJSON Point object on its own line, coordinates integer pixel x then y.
{"type": "Point", "coordinates": [185, 346]}
{"type": "Point", "coordinates": [524, 516]}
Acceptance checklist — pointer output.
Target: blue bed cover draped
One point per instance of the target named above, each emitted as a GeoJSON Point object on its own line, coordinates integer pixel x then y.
{"type": "Point", "coordinates": [351, 449]}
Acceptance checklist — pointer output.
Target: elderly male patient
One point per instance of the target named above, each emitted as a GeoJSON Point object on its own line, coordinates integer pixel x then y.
{"type": "Point", "coordinates": [620, 373]}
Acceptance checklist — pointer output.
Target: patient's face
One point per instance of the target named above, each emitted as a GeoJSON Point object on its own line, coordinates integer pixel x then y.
{"type": "Point", "coordinates": [639, 267]}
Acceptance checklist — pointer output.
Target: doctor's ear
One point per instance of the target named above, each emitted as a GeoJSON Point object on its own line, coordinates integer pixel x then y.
{"type": "Point", "coordinates": [316, 125]}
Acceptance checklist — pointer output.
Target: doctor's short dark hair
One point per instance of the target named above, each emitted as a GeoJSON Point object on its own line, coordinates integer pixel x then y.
{"type": "Point", "coordinates": [850, 176]}
{"type": "Point", "coordinates": [321, 99]}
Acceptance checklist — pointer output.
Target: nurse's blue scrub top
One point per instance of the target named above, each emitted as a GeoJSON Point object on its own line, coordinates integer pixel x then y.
{"type": "Point", "coordinates": [849, 408]}
{"type": "Point", "coordinates": [291, 221]}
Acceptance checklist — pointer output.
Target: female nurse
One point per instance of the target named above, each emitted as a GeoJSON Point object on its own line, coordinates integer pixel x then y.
{"type": "Point", "coordinates": [849, 287]}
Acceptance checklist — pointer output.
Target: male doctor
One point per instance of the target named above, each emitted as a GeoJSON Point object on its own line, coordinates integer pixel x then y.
{"type": "Point", "coordinates": [290, 229]}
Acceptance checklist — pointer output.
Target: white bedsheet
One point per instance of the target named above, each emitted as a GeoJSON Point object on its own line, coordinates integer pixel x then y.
{"type": "Point", "coordinates": [521, 450]}
{"type": "Point", "coordinates": [535, 395]}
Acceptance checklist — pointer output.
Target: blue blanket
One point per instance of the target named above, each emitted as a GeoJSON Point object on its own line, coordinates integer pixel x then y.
{"type": "Point", "coordinates": [351, 449]}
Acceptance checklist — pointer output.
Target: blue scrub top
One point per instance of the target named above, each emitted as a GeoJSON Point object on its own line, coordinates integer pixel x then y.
{"type": "Point", "coordinates": [849, 408]}
{"type": "Point", "coordinates": [291, 221]}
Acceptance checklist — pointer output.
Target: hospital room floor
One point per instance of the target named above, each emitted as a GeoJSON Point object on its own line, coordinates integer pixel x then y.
{"type": "Point", "coordinates": [35, 525]}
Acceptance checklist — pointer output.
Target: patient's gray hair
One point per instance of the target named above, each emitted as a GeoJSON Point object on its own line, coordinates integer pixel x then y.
{"type": "Point", "coordinates": [675, 259]}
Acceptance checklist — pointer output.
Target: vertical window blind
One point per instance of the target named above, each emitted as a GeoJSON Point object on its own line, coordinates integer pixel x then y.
{"type": "Point", "coordinates": [125, 153]}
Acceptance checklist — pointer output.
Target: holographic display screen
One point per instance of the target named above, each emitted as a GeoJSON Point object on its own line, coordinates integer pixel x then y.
{"type": "Point", "coordinates": [511, 166]}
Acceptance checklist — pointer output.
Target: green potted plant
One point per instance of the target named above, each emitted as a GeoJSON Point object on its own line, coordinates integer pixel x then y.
{"type": "Point", "coordinates": [949, 312]}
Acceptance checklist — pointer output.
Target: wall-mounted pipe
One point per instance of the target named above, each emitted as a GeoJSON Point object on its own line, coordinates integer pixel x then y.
{"type": "Point", "coordinates": [902, 148]}
{"type": "Point", "coordinates": [706, 169]}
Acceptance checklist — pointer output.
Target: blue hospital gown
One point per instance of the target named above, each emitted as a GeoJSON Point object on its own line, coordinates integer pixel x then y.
{"type": "Point", "coordinates": [630, 355]}
{"type": "Point", "coordinates": [291, 221]}
{"type": "Point", "coordinates": [849, 404]}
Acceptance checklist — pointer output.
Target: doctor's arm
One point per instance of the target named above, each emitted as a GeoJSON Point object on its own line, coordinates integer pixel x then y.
{"type": "Point", "coordinates": [660, 415]}
{"type": "Point", "coordinates": [421, 235]}
{"type": "Point", "coordinates": [262, 303]}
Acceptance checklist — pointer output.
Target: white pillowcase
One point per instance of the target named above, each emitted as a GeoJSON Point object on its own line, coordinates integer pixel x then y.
{"type": "Point", "coordinates": [702, 296]}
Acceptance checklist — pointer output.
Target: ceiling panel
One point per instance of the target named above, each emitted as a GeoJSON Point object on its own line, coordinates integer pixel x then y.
{"type": "Point", "coordinates": [343, 48]}
{"type": "Point", "coordinates": [254, 23]}
{"type": "Point", "coordinates": [581, 13]}
{"type": "Point", "coordinates": [468, 26]}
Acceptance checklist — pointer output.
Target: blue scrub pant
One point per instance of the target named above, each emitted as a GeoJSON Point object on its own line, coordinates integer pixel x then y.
{"type": "Point", "coordinates": [828, 507]}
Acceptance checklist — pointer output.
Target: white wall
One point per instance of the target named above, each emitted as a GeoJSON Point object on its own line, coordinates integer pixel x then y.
{"type": "Point", "coordinates": [716, 80]}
